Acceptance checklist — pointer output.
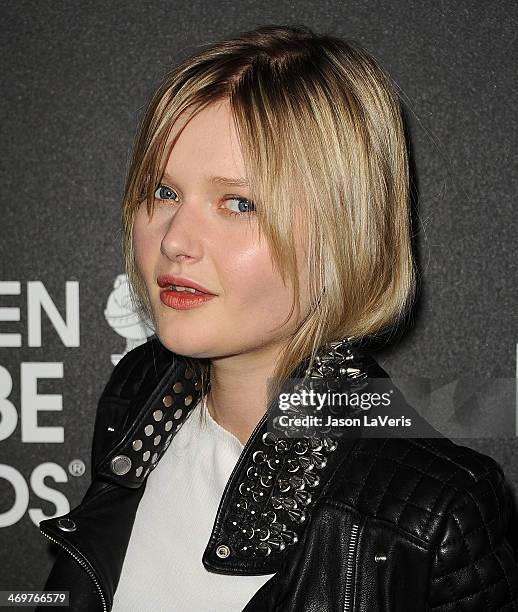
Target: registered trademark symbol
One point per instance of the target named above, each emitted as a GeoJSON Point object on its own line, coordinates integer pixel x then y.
{"type": "Point", "coordinates": [76, 467]}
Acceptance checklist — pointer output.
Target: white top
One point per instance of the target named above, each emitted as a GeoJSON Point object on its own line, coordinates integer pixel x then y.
{"type": "Point", "coordinates": [162, 568]}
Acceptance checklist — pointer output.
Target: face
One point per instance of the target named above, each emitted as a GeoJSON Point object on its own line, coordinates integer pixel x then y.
{"type": "Point", "coordinates": [206, 232]}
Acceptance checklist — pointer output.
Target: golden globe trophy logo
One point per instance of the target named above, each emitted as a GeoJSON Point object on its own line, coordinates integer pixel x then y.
{"type": "Point", "coordinates": [120, 316]}
{"type": "Point", "coordinates": [123, 319]}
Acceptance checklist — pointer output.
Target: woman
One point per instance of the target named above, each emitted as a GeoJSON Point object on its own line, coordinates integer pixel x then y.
{"type": "Point", "coordinates": [266, 235]}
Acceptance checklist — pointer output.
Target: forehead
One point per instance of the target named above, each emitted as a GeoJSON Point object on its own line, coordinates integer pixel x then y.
{"type": "Point", "coordinates": [205, 137]}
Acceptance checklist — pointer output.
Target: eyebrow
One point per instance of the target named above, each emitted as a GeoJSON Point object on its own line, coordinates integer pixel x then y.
{"type": "Point", "coordinates": [222, 180]}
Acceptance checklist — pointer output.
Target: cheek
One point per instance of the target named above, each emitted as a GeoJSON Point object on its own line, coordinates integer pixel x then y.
{"type": "Point", "coordinates": [144, 245]}
{"type": "Point", "coordinates": [253, 284]}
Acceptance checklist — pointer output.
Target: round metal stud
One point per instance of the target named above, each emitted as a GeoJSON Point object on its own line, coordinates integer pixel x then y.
{"type": "Point", "coordinates": [168, 425]}
{"type": "Point", "coordinates": [148, 429]}
{"type": "Point", "coordinates": [137, 445]}
{"type": "Point", "coordinates": [188, 400]}
{"type": "Point", "coordinates": [157, 439]}
{"type": "Point", "coordinates": [66, 524]}
{"type": "Point", "coordinates": [178, 413]}
{"type": "Point", "coordinates": [222, 551]}
{"type": "Point", "coordinates": [138, 471]}
{"type": "Point", "coordinates": [157, 415]}
{"type": "Point", "coordinates": [120, 465]}
{"type": "Point", "coordinates": [145, 456]}
{"type": "Point", "coordinates": [167, 400]}
{"type": "Point", "coordinates": [177, 387]}
{"type": "Point", "coordinates": [154, 458]}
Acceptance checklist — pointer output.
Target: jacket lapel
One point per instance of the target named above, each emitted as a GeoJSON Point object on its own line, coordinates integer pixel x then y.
{"type": "Point", "coordinates": [268, 498]}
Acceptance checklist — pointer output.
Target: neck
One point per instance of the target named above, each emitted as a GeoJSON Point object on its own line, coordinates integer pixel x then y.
{"type": "Point", "coordinates": [238, 390]}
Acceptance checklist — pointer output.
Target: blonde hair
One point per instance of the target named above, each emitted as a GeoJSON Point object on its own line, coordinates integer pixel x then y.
{"type": "Point", "coordinates": [320, 127]}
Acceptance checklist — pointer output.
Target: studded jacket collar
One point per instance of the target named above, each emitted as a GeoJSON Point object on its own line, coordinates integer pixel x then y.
{"type": "Point", "coordinates": [284, 501]}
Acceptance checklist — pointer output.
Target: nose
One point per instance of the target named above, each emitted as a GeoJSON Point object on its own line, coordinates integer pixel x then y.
{"type": "Point", "coordinates": [182, 235]}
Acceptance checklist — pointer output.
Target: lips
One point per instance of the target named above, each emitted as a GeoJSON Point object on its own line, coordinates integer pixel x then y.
{"type": "Point", "coordinates": [184, 300]}
{"type": "Point", "coordinates": [166, 280]}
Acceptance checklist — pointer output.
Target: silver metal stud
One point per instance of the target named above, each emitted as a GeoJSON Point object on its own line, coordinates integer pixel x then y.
{"type": "Point", "coordinates": [157, 439]}
{"type": "Point", "coordinates": [145, 456]}
{"type": "Point", "coordinates": [168, 425]}
{"type": "Point", "coordinates": [137, 445]}
{"type": "Point", "coordinates": [66, 524]}
{"type": "Point", "coordinates": [157, 415]}
{"type": "Point", "coordinates": [167, 400]}
{"type": "Point", "coordinates": [188, 400]}
{"type": "Point", "coordinates": [222, 551]}
{"type": "Point", "coordinates": [148, 429]}
{"type": "Point", "coordinates": [120, 465]}
{"type": "Point", "coordinates": [138, 471]}
{"type": "Point", "coordinates": [178, 413]}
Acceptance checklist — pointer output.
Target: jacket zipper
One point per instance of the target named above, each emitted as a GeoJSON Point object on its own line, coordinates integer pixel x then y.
{"type": "Point", "coordinates": [84, 565]}
{"type": "Point", "coordinates": [349, 568]}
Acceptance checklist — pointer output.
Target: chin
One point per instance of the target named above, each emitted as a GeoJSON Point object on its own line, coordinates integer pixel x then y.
{"type": "Point", "coordinates": [182, 343]}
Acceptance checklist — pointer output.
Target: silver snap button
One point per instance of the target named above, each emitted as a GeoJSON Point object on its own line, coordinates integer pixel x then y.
{"type": "Point", "coordinates": [66, 524]}
{"type": "Point", "coordinates": [380, 558]}
{"type": "Point", "coordinates": [120, 465]}
{"type": "Point", "coordinates": [223, 551]}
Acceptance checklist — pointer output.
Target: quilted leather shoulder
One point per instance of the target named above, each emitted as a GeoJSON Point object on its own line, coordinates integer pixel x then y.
{"type": "Point", "coordinates": [475, 566]}
{"type": "Point", "coordinates": [410, 482]}
{"type": "Point", "coordinates": [455, 500]}
{"type": "Point", "coordinates": [132, 379]}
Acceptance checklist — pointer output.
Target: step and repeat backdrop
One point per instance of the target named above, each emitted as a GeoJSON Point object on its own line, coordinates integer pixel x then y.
{"type": "Point", "coordinates": [76, 76]}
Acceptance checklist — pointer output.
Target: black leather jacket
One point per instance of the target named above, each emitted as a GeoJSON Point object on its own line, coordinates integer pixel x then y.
{"type": "Point", "coordinates": [347, 524]}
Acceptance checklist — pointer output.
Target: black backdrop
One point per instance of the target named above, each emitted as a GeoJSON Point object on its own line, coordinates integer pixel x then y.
{"type": "Point", "coordinates": [75, 78]}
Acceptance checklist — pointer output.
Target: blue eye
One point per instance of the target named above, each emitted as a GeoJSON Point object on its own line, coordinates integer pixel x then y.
{"type": "Point", "coordinates": [244, 206]}
{"type": "Point", "coordinates": [165, 193]}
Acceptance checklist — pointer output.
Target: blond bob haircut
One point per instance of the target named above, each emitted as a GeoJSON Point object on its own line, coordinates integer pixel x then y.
{"type": "Point", "coordinates": [320, 128]}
